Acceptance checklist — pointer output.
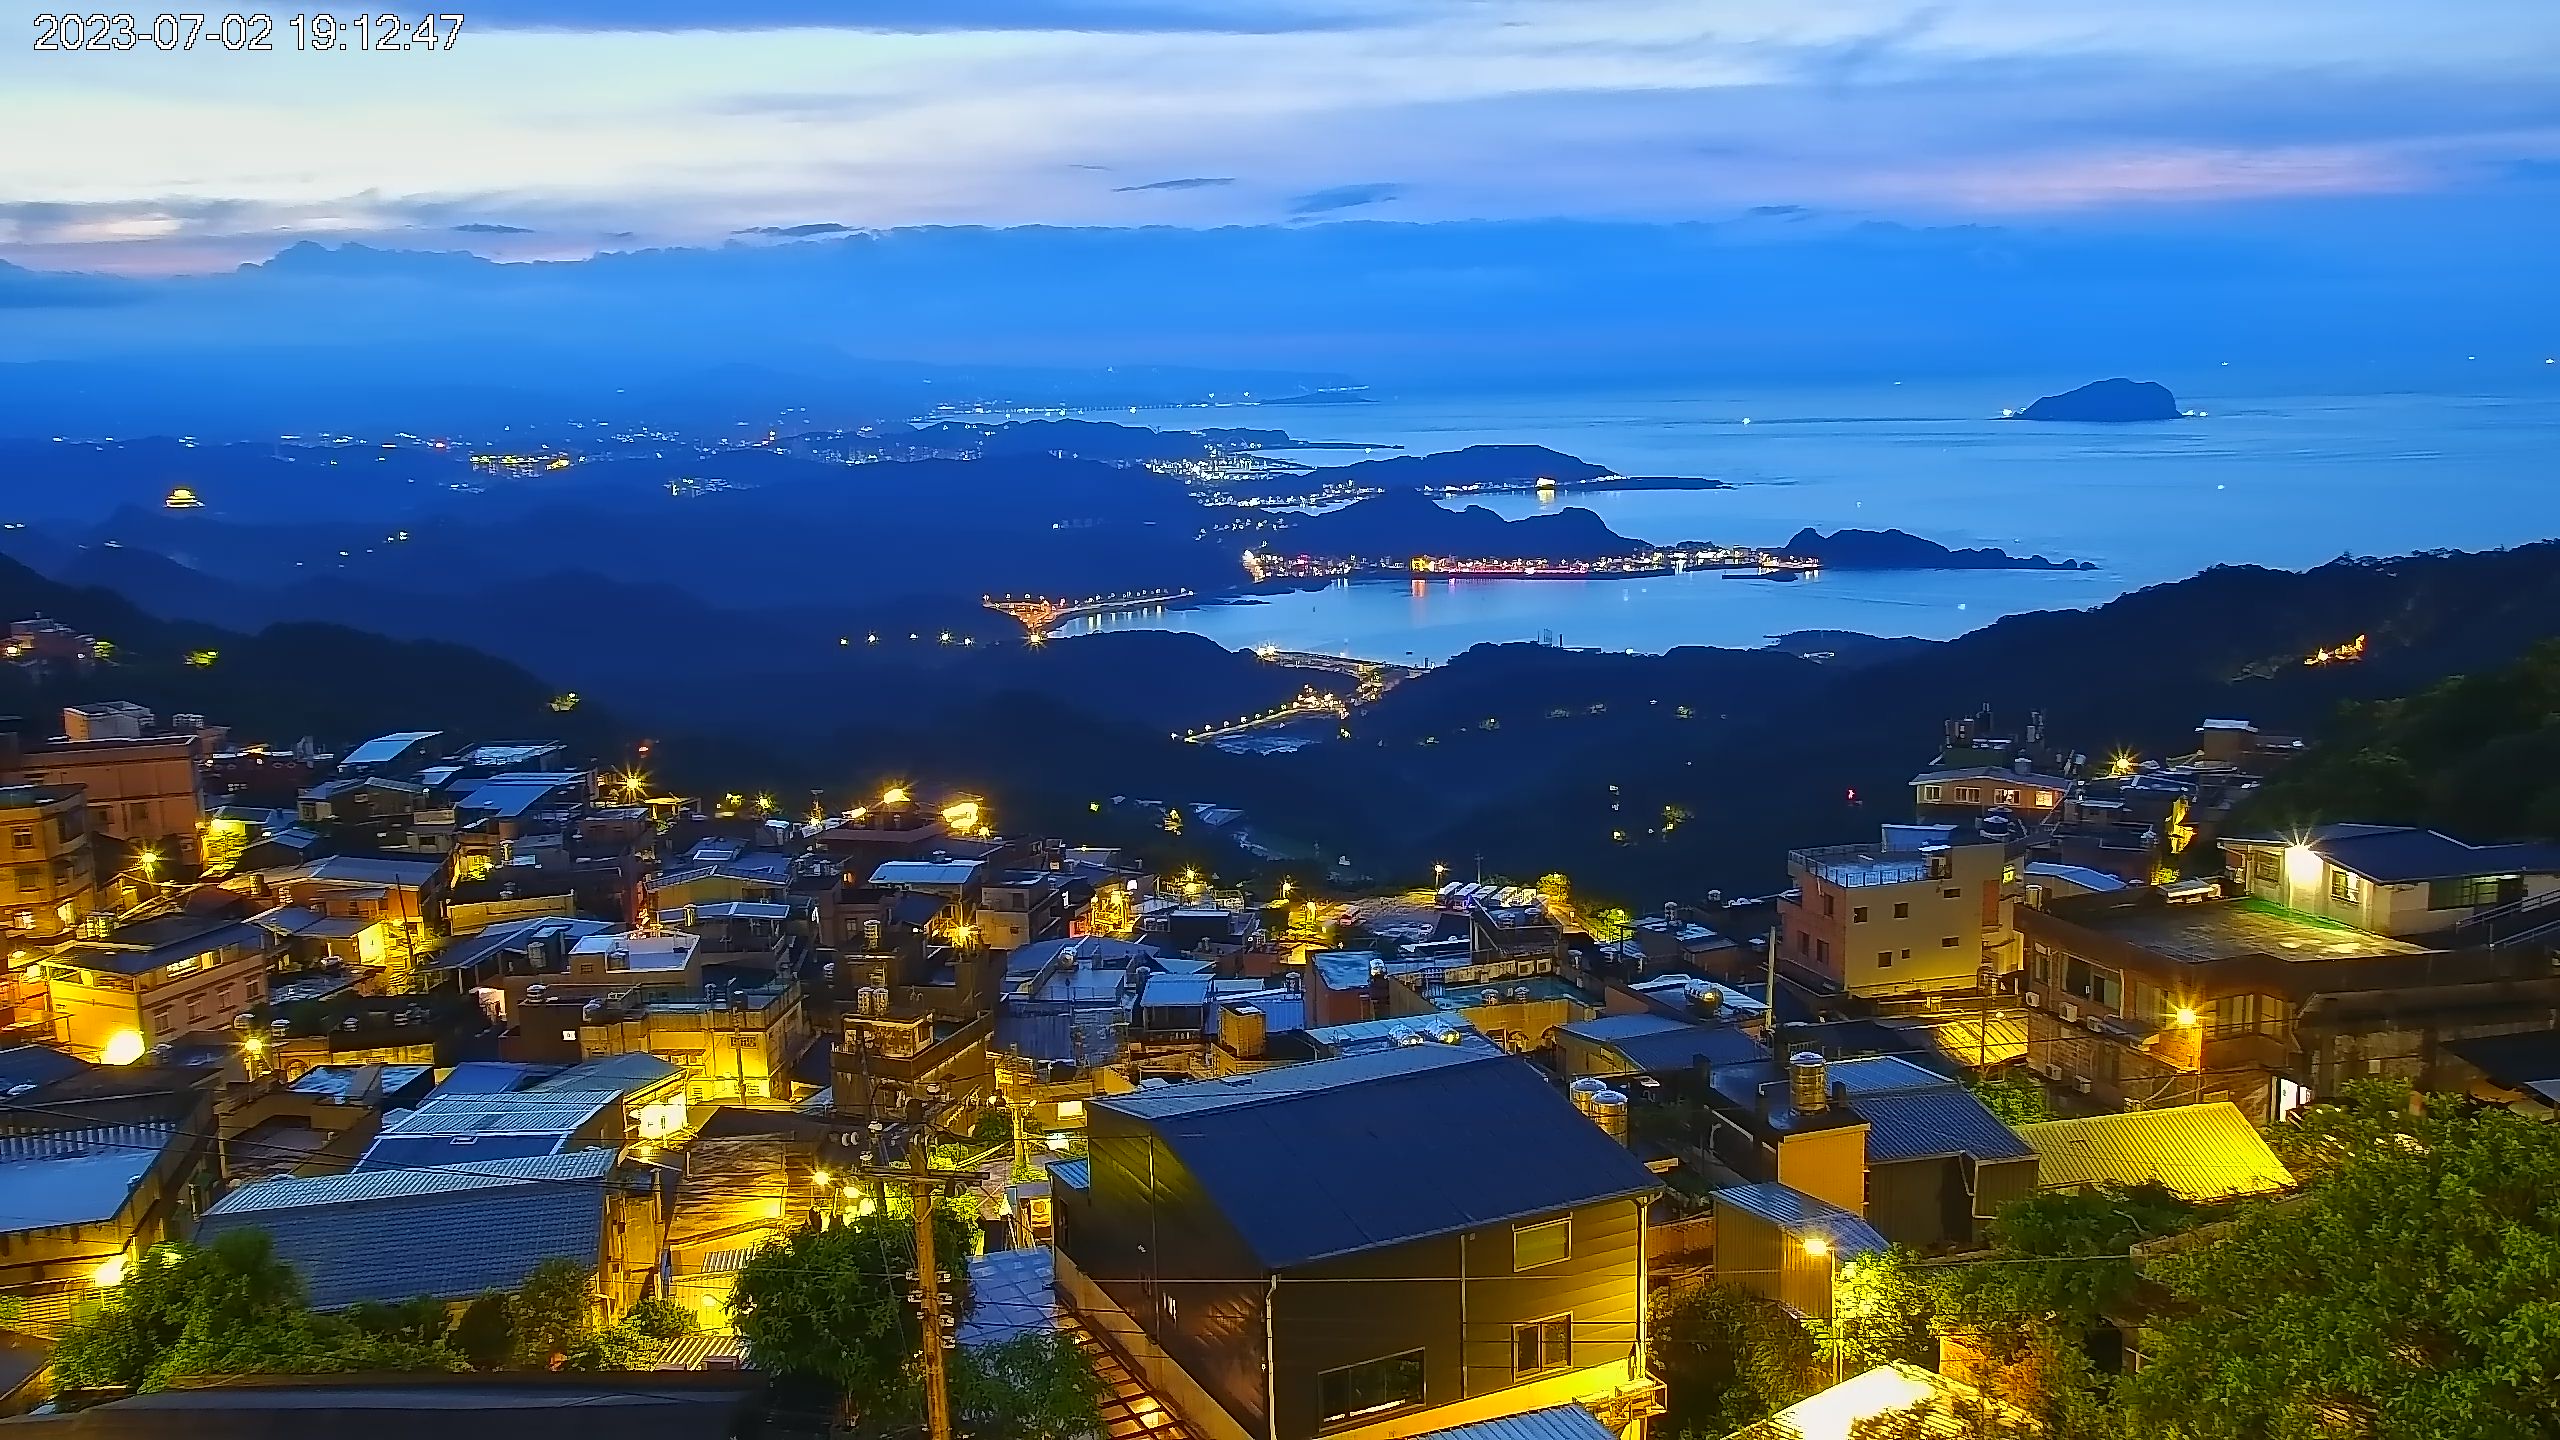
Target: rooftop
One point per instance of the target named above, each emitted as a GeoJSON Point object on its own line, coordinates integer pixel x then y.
{"type": "Point", "coordinates": [1334, 1157]}
{"type": "Point", "coordinates": [545, 1111]}
{"type": "Point", "coordinates": [148, 945]}
{"type": "Point", "coordinates": [926, 872]}
{"type": "Point", "coordinates": [75, 1176]}
{"type": "Point", "coordinates": [1660, 1044]}
{"type": "Point", "coordinates": [2203, 1152]}
{"type": "Point", "coordinates": [2406, 854]}
{"type": "Point", "coordinates": [2211, 930]}
{"type": "Point", "coordinates": [383, 749]}
{"type": "Point", "coordinates": [1912, 1113]}
{"type": "Point", "coordinates": [1797, 1213]}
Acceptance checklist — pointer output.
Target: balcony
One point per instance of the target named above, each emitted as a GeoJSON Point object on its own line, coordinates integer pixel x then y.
{"type": "Point", "coordinates": [1854, 867]}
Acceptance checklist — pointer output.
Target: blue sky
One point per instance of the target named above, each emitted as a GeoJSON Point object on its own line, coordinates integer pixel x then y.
{"type": "Point", "coordinates": [559, 127]}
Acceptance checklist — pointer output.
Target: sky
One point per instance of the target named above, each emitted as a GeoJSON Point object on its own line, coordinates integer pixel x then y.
{"type": "Point", "coordinates": [560, 128]}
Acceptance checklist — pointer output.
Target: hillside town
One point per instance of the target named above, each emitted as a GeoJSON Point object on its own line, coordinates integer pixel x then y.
{"type": "Point", "coordinates": [482, 1054]}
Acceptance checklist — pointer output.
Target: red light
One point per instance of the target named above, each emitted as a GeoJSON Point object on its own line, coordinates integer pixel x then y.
{"type": "Point", "coordinates": [1853, 795]}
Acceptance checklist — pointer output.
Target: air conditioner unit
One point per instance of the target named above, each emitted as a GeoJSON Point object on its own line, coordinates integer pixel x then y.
{"type": "Point", "coordinates": [2070, 1013]}
{"type": "Point", "coordinates": [2084, 1084]}
{"type": "Point", "coordinates": [2034, 1000]}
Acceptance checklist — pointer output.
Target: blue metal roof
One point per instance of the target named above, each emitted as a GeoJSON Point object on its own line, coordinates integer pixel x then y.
{"type": "Point", "coordinates": [383, 749]}
{"type": "Point", "coordinates": [1556, 1422]}
{"type": "Point", "coordinates": [1912, 1112]}
{"type": "Point", "coordinates": [1334, 1157]}
{"type": "Point", "coordinates": [408, 1152]}
{"type": "Point", "coordinates": [1800, 1214]}
{"type": "Point", "coordinates": [448, 1232]}
{"type": "Point", "coordinates": [491, 1077]}
{"type": "Point", "coordinates": [1660, 1044]}
{"type": "Point", "coordinates": [75, 1176]}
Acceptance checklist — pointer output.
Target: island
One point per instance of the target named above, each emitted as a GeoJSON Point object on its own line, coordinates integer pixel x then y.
{"type": "Point", "coordinates": [1901, 550]}
{"type": "Point", "coordinates": [2108, 402]}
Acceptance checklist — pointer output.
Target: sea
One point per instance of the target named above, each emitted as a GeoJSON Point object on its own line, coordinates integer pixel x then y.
{"type": "Point", "coordinates": [2288, 480]}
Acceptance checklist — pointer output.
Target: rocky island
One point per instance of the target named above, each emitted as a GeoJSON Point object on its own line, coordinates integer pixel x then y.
{"type": "Point", "coordinates": [1901, 550]}
{"type": "Point", "coordinates": [2111, 402]}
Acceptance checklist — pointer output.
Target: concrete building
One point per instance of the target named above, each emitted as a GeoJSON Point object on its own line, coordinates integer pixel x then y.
{"type": "Point", "coordinates": [2397, 879]}
{"type": "Point", "coordinates": [95, 1167]}
{"type": "Point", "coordinates": [2157, 996]}
{"type": "Point", "coordinates": [151, 978]}
{"type": "Point", "coordinates": [51, 867]}
{"type": "Point", "coordinates": [1926, 911]}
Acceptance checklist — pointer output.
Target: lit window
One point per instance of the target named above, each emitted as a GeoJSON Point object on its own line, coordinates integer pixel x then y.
{"type": "Point", "coordinates": [1533, 1246]}
{"type": "Point", "coordinates": [1946, 942]}
{"type": "Point", "coordinates": [2345, 886]}
{"type": "Point", "coordinates": [1372, 1387]}
{"type": "Point", "coordinates": [1542, 1345]}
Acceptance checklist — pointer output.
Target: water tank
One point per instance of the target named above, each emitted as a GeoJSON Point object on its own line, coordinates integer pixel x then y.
{"type": "Point", "coordinates": [1609, 1108]}
{"type": "Point", "coordinates": [1808, 1083]}
{"type": "Point", "coordinates": [1705, 998]}
{"type": "Point", "coordinates": [1583, 1089]}
{"type": "Point", "coordinates": [1242, 1030]}
{"type": "Point", "coordinates": [1715, 897]}
{"type": "Point", "coordinates": [536, 994]}
{"type": "Point", "coordinates": [592, 1012]}
{"type": "Point", "coordinates": [1377, 969]}
{"type": "Point", "coordinates": [2024, 766]}
{"type": "Point", "coordinates": [279, 1027]}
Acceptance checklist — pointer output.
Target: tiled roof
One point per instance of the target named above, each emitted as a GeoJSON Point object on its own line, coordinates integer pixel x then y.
{"type": "Point", "coordinates": [2203, 1152]}
{"type": "Point", "coordinates": [1800, 1214]}
{"type": "Point", "coordinates": [446, 1231]}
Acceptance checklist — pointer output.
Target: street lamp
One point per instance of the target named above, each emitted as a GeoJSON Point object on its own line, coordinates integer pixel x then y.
{"type": "Point", "coordinates": [1819, 1248]}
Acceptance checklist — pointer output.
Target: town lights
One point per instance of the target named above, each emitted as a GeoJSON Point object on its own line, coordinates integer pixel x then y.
{"type": "Point", "coordinates": [894, 795]}
{"type": "Point", "coordinates": [122, 1048]}
{"type": "Point", "coordinates": [1816, 1246]}
{"type": "Point", "coordinates": [2186, 1017]}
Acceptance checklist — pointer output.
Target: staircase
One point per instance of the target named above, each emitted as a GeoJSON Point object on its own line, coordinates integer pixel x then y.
{"type": "Point", "coordinates": [2534, 920]}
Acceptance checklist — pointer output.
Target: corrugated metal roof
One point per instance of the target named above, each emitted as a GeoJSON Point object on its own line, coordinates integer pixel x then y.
{"type": "Point", "coordinates": [69, 1177]}
{"type": "Point", "coordinates": [1556, 1422]}
{"type": "Point", "coordinates": [2203, 1152]}
{"type": "Point", "coordinates": [696, 1352]}
{"type": "Point", "coordinates": [446, 1232]}
{"type": "Point", "coordinates": [623, 1075]}
{"type": "Point", "coordinates": [1800, 1214]}
{"type": "Point", "coordinates": [383, 749]}
{"type": "Point", "coordinates": [1913, 1112]}
{"type": "Point", "coordinates": [926, 872]}
{"type": "Point", "coordinates": [1660, 1044]}
{"type": "Point", "coordinates": [409, 1152]}
{"type": "Point", "coordinates": [516, 1113]}
{"type": "Point", "coordinates": [1334, 1157]}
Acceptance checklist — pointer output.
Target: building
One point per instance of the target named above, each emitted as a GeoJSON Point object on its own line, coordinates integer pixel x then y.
{"type": "Point", "coordinates": [151, 978]}
{"type": "Point", "coordinates": [2154, 996]}
{"type": "Point", "coordinates": [95, 1167]}
{"type": "Point", "coordinates": [735, 1028]}
{"type": "Point", "coordinates": [1981, 767]}
{"type": "Point", "coordinates": [141, 780]}
{"type": "Point", "coordinates": [2202, 1152]}
{"type": "Point", "coordinates": [1782, 1244]}
{"type": "Point", "coordinates": [454, 1232]}
{"type": "Point", "coordinates": [51, 864]}
{"type": "Point", "coordinates": [399, 894]}
{"type": "Point", "coordinates": [1925, 911]}
{"type": "Point", "coordinates": [518, 1405]}
{"type": "Point", "coordinates": [1385, 1245]}
{"type": "Point", "coordinates": [2397, 879]}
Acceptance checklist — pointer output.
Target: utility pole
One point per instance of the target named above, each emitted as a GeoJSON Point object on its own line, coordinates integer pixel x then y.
{"type": "Point", "coordinates": [937, 1380]}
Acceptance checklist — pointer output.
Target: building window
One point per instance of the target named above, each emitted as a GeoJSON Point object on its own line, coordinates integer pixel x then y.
{"type": "Point", "coordinates": [1372, 1387]}
{"type": "Point", "coordinates": [2262, 866]}
{"type": "Point", "coordinates": [1952, 892]}
{"type": "Point", "coordinates": [1536, 1246]}
{"type": "Point", "coordinates": [1946, 942]}
{"type": "Point", "coordinates": [2473, 892]}
{"type": "Point", "coordinates": [1902, 910]}
{"type": "Point", "coordinates": [1968, 795]}
{"type": "Point", "coordinates": [1928, 793]}
{"type": "Point", "coordinates": [1906, 954]}
{"type": "Point", "coordinates": [22, 836]}
{"type": "Point", "coordinates": [1827, 905]}
{"type": "Point", "coordinates": [1884, 959]}
{"type": "Point", "coordinates": [1822, 953]}
{"type": "Point", "coordinates": [1542, 1345]}
{"type": "Point", "coordinates": [1858, 915]}
{"type": "Point", "coordinates": [2345, 886]}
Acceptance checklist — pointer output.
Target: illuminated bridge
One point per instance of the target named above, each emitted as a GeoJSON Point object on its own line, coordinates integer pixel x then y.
{"type": "Point", "coordinates": [1041, 615]}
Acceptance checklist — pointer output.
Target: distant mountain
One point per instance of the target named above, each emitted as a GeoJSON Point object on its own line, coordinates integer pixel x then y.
{"type": "Point", "coordinates": [1404, 523]}
{"type": "Point", "coordinates": [2114, 401]}
{"type": "Point", "coordinates": [1474, 465]}
{"type": "Point", "coordinates": [1898, 550]}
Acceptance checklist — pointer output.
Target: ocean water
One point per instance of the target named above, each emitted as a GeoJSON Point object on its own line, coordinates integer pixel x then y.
{"type": "Point", "coordinates": [2289, 480]}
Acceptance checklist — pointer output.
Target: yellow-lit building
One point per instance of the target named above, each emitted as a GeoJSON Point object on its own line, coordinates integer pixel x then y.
{"type": "Point", "coordinates": [151, 979]}
{"type": "Point", "coordinates": [48, 863]}
{"type": "Point", "coordinates": [94, 1169]}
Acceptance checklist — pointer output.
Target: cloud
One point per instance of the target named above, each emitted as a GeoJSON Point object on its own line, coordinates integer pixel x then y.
{"type": "Point", "coordinates": [809, 231]}
{"type": "Point", "coordinates": [924, 17]}
{"type": "Point", "coordinates": [1778, 212]}
{"type": "Point", "coordinates": [483, 227]}
{"type": "Point", "coordinates": [1345, 197]}
{"type": "Point", "coordinates": [1187, 182]}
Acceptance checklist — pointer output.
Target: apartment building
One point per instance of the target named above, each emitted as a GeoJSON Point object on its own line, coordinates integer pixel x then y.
{"type": "Point", "coordinates": [1927, 909]}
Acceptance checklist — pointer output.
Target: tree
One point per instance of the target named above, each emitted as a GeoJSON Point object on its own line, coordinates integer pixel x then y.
{"type": "Point", "coordinates": [830, 1305]}
{"type": "Point", "coordinates": [486, 1332]}
{"type": "Point", "coordinates": [2412, 1290]}
{"type": "Point", "coordinates": [232, 1308]}
{"type": "Point", "coordinates": [2016, 1096]}
{"type": "Point", "coordinates": [1034, 1386]}
{"type": "Point", "coordinates": [1727, 1357]}
{"type": "Point", "coordinates": [552, 1314]}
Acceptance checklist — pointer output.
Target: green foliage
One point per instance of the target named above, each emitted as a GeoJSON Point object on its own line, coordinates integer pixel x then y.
{"type": "Point", "coordinates": [2412, 1291]}
{"type": "Point", "coordinates": [2476, 756]}
{"type": "Point", "coordinates": [486, 1332]}
{"type": "Point", "coordinates": [2015, 1095]}
{"type": "Point", "coordinates": [552, 1315]}
{"type": "Point", "coordinates": [2085, 1236]}
{"type": "Point", "coordinates": [1036, 1386]}
{"type": "Point", "coordinates": [1726, 1358]}
{"type": "Point", "coordinates": [830, 1305]}
{"type": "Point", "coordinates": [1881, 1309]}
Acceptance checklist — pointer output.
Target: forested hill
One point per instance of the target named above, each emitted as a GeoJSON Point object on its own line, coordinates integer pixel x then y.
{"type": "Point", "coordinates": [2476, 756]}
